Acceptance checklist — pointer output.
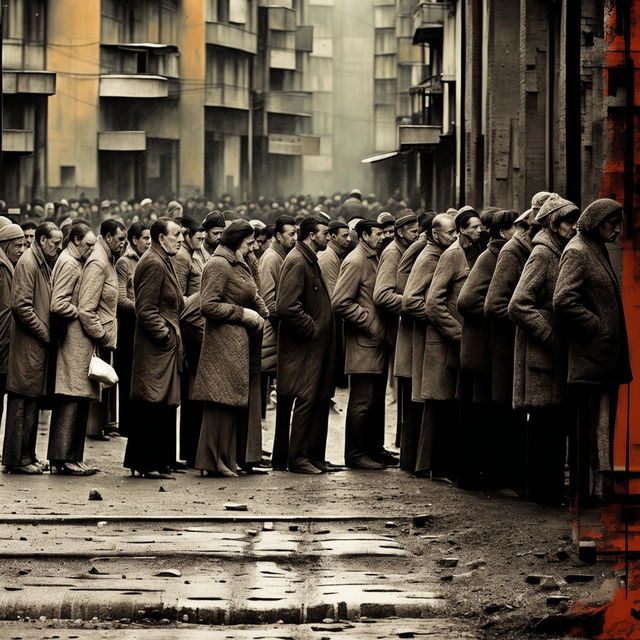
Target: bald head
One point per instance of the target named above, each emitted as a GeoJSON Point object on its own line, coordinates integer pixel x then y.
{"type": "Point", "coordinates": [443, 230]}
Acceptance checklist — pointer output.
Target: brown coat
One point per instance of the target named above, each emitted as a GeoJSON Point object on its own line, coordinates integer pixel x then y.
{"type": "Point", "coordinates": [509, 266]}
{"type": "Point", "coordinates": [188, 269]}
{"type": "Point", "coordinates": [228, 349]}
{"type": "Point", "coordinates": [353, 302]}
{"type": "Point", "coordinates": [588, 302]}
{"type": "Point", "coordinates": [157, 345]}
{"type": "Point", "coordinates": [414, 306]}
{"type": "Point", "coordinates": [403, 360]}
{"type": "Point", "coordinates": [540, 357]}
{"type": "Point", "coordinates": [29, 346]}
{"type": "Point", "coordinates": [306, 331]}
{"type": "Point", "coordinates": [442, 341]}
{"type": "Point", "coordinates": [6, 279]}
{"type": "Point", "coordinates": [125, 268]}
{"type": "Point", "coordinates": [330, 260]}
{"type": "Point", "coordinates": [74, 351]}
{"type": "Point", "coordinates": [270, 265]}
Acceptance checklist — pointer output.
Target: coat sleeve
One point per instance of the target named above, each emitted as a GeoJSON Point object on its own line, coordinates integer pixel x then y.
{"type": "Point", "coordinates": [523, 308]}
{"type": "Point", "coordinates": [436, 303]}
{"type": "Point", "coordinates": [384, 292]}
{"type": "Point", "coordinates": [91, 285]}
{"type": "Point", "coordinates": [182, 266]}
{"type": "Point", "coordinates": [474, 290]}
{"type": "Point", "coordinates": [148, 283]}
{"type": "Point", "coordinates": [214, 280]}
{"type": "Point", "coordinates": [330, 270]}
{"type": "Point", "coordinates": [269, 275]}
{"type": "Point", "coordinates": [344, 300]}
{"type": "Point", "coordinates": [503, 284]}
{"type": "Point", "coordinates": [22, 303]}
{"type": "Point", "coordinates": [122, 271]}
{"type": "Point", "coordinates": [414, 296]}
{"type": "Point", "coordinates": [568, 302]}
{"type": "Point", "coordinates": [289, 307]}
{"type": "Point", "coordinates": [62, 292]}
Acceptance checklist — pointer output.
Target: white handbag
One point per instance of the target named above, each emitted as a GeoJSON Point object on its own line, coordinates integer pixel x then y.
{"type": "Point", "coordinates": [102, 371]}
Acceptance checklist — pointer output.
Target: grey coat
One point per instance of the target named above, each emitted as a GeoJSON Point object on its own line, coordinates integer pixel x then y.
{"type": "Point", "coordinates": [6, 280]}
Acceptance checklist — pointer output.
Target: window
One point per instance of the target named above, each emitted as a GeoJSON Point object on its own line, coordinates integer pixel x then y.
{"type": "Point", "coordinates": [67, 176]}
{"type": "Point", "coordinates": [238, 11]}
{"type": "Point", "coordinates": [223, 10]}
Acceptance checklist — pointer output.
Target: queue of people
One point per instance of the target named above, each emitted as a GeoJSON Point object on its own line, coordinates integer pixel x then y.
{"type": "Point", "coordinates": [502, 335]}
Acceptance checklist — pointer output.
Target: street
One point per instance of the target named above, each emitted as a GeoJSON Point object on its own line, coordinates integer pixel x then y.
{"type": "Point", "coordinates": [342, 548]}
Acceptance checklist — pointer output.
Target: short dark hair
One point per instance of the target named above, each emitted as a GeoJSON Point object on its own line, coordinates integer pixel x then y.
{"type": "Point", "coordinates": [28, 225]}
{"type": "Point", "coordinates": [190, 224]}
{"type": "Point", "coordinates": [501, 221]}
{"type": "Point", "coordinates": [45, 229]}
{"type": "Point", "coordinates": [78, 231]}
{"type": "Point", "coordinates": [366, 226]}
{"type": "Point", "coordinates": [310, 225]}
{"type": "Point", "coordinates": [160, 226]}
{"type": "Point", "coordinates": [281, 222]}
{"type": "Point", "coordinates": [136, 230]}
{"type": "Point", "coordinates": [110, 226]}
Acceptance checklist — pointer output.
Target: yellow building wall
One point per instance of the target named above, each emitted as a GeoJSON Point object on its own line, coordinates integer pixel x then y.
{"type": "Point", "coordinates": [73, 52]}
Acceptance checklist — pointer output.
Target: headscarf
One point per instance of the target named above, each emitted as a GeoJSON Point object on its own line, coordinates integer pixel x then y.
{"type": "Point", "coordinates": [595, 213]}
{"type": "Point", "coordinates": [554, 207]}
{"type": "Point", "coordinates": [235, 233]}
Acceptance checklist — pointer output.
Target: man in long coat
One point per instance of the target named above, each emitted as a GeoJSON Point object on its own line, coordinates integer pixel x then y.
{"type": "Point", "coordinates": [29, 350]}
{"type": "Point", "coordinates": [366, 353]}
{"type": "Point", "coordinates": [157, 354]}
{"type": "Point", "coordinates": [190, 260]}
{"type": "Point", "coordinates": [305, 347]}
{"type": "Point", "coordinates": [284, 239]}
{"type": "Point", "coordinates": [588, 301]}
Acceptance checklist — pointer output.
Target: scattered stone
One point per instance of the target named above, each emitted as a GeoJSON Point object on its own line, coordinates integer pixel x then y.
{"type": "Point", "coordinates": [553, 601]}
{"type": "Point", "coordinates": [251, 532]}
{"type": "Point", "coordinates": [235, 506]}
{"type": "Point", "coordinates": [165, 621]}
{"type": "Point", "coordinates": [328, 621]}
{"type": "Point", "coordinates": [406, 634]}
{"type": "Point", "coordinates": [579, 577]}
{"type": "Point", "coordinates": [422, 520]}
{"type": "Point", "coordinates": [390, 524]}
{"type": "Point", "coordinates": [95, 572]}
{"type": "Point", "coordinates": [447, 578]}
{"type": "Point", "coordinates": [125, 620]}
{"type": "Point", "coordinates": [448, 562]}
{"type": "Point", "coordinates": [463, 576]}
{"type": "Point", "coordinates": [329, 627]}
{"type": "Point", "coordinates": [535, 578]}
{"type": "Point", "coordinates": [168, 573]}
{"type": "Point", "coordinates": [94, 494]}
{"type": "Point", "coordinates": [476, 564]}
{"type": "Point", "coordinates": [323, 532]}
{"type": "Point", "coordinates": [549, 584]}
{"type": "Point", "coordinates": [161, 489]}
{"type": "Point", "coordinates": [101, 524]}
{"type": "Point", "coordinates": [562, 555]}
{"type": "Point", "coordinates": [293, 527]}
{"type": "Point", "coordinates": [267, 526]}
{"type": "Point", "coordinates": [24, 572]}
{"type": "Point", "coordinates": [490, 609]}
{"type": "Point", "coordinates": [540, 554]}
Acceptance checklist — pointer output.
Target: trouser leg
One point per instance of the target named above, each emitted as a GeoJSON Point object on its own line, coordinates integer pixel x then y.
{"type": "Point", "coordinates": [280, 453]}
{"type": "Point", "coordinates": [68, 429]}
{"type": "Point", "coordinates": [364, 427]}
{"type": "Point", "coordinates": [21, 431]}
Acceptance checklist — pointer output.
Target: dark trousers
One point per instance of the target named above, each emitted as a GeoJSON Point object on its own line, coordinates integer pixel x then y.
{"type": "Point", "coordinates": [21, 431]}
{"type": "Point", "coordinates": [547, 446]}
{"type": "Point", "coordinates": [280, 453]}
{"type": "Point", "coordinates": [309, 426]}
{"type": "Point", "coordinates": [68, 428]}
{"type": "Point", "coordinates": [340, 379]}
{"type": "Point", "coordinates": [438, 439]}
{"type": "Point", "coordinates": [151, 445]}
{"type": "Point", "coordinates": [190, 420]}
{"type": "Point", "coordinates": [410, 417]}
{"type": "Point", "coordinates": [3, 389]}
{"type": "Point", "coordinates": [364, 428]}
{"type": "Point", "coordinates": [122, 362]}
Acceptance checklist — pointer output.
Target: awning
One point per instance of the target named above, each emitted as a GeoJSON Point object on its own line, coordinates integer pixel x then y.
{"type": "Point", "coordinates": [380, 156]}
{"type": "Point", "coordinates": [143, 46]}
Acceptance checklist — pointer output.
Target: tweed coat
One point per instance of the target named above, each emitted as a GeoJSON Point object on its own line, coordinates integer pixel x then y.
{"type": "Point", "coordinates": [229, 349]}
{"type": "Point", "coordinates": [509, 266]}
{"type": "Point", "coordinates": [270, 265]}
{"type": "Point", "coordinates": [330, 260]}
{"type": "Point", "coordinates": [157, 344]}
{"type": "Point", "coordinates": [6, 279]}
{"type": "Point", "coordinates": [353, 302]}
{"type": "Point", "coordinates": [414, 307]}
{"type": "Point", "coordinates": [29, 347]}
{"type": "Point", "coordinates": [188, 269]}
{"type": "Point", "coordinates": [385, 294]}
{"type": "Point", "coordinates": [588, 303]}
{"type": "Point", "coordinates": [403, 356]}
{"type": "Point", "coordinates": [540, 357]}
{"type": "Point", "coordinates": [306, 329]}
{"type": "Point", "coordinates": [442, 341]}
{"type": "Point", "coordinates": [75, 349]}
{"type": "Point", "coordinates": [125, 268]}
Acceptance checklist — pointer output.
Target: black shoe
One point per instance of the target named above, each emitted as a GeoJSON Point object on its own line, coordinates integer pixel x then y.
{"type": "Point", "coordinates": [304, 466]}
{"type": "Point", "coordinates": [365, 463]}
{"type": "Point", "coordinates": [387, 458]}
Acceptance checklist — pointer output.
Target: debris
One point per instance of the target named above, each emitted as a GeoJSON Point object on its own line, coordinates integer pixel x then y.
{"type": "Point", "coordinates": [390, 524]}
{"type": "Point", "coordinates": [293, 527]}
{"type": "Point", "coordinates": [101, 524]}
{"type": "Point", "coordinates": [535, 578]}
{"type": "Point", "coordinates": [168, 573]}
{"type": "Point", "coordinates": [549, 584]}
{"type": "Point", "coordinates": [448, 562]}
{"type": "Point", "coordinates": [161, 489]}
{"type": "Point", "coordinates": [24, 572]}
{"type": "Point", "coordinates": [476, 564]}
{"type": "Point", "coordinates": [406, 634]}
{"type": "Point", "coordinates": [561, 555]}
{"type": "Point", "coordinates": [553, 601]}
{"type": "Point", "coordinates": [579, 577]}
{"type": "Point", "coordinates": [251, 532]}
{"type": "Point", "coordinates": [463, 576]}
{"type": "Point", "coordinates": [328, 621]}
{"type": "Point", "coordinates": [96, 572]}
{"type": "Point", "coordinates": [94, 494]}
{"type": "Point", "coordinates": [267, 526]}
{"type": "Point", "coordinates": [235, 506]}
{"type": "Point", "coordinates": [493, 608]}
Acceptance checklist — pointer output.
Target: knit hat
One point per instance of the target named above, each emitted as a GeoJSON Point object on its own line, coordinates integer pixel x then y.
{"type": "Point", "coordinates": [366, 226]}
{"type": "Point", "coordinates": [595, 213]}
{"type": "Point", "coordinates": [4, 221]}
{"type": "Point", "coordinates": [464, 215]}
{"type": "Point", "coordinates": [145, 201]}
{"type": "Point", "coordinates": [213, 219]}
{"type": "Point", "coordinates": [405, 218]}
{"type": "Point", "coordinates": [237, 230]}
{"type": "Point", "coordinates": [385, 219]}
{"type": "Point", "coordinates": [556, 205]}
{"type": "Point", "coordinates": [11, 231]}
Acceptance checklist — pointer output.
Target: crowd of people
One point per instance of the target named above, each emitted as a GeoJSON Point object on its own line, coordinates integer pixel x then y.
{"type": "Point", "coordinates": [501, 334]}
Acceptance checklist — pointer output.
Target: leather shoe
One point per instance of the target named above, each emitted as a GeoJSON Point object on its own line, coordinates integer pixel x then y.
{"type": "Point", "coordinates": [365, 463]}
{"type": "Point", "coordinates": [304, 466]}
{"type": "Point", "coordinates": [387, 458]}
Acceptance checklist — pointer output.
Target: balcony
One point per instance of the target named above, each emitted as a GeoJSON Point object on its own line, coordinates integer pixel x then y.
{"type": "Point", "coordinates": [429, 87]}
{"type": "Point", "coordinates": [282, 59]}
{"type": "Point", "coordinates": [17, 140]}
{"type": "Point", "coordinates": [30, 82]}
{"type": "Point", "coordinates": [231, 37]}
{"type": "Point", "coordinates": [418, 134]}
{"type": "Point", "coordinates": [304, 39]}
{"type": "Point", "coordinates": [122, 141]}
{"type": "Point", "coordinates": [281, 19]}
{"type": "Point", "coordinates": [408, 53]}
{"type": "Point", "coordinates": [133, 86]}
{"type": "Point", "coordinates": [225, 95]}
{"type": "Point", "coordinates": [277, 3]}
{"type": "Point", "coordinates": [428, 20]}
{"type": "Point", "coordinates": [290, 145]}
{"type": "Point", "coordinates": [294, 103]}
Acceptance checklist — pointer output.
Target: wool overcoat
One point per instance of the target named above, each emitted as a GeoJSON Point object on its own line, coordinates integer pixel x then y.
{"type": "Point", "coordinates": [403, 357]}
{"type": "Point", "coordinates": [588, 302]}
{"type": "Point", "coordinates": [188, 270]}
{"type": "Point", "coordinates": [306, 329]}
{"type": "Point", "coordinates": [414, 306]}
{"type": "Point", "coordinates": [270, 265]}
{"type": "Point", "coordinates": [540, 357]}
{"type": "Point", "coordinates": [352, 301]}
{"type": "Point", "coordinates": [6, 280]}
{"type": "Point", "coordinates": [228, 349]}
{"type": "Point", "coordinates": [157, 344]}
{"type": "Point", "coordinates": [444, 331]}
{"type": "Point", "coordinates": [75, 349]}
{"type": "Point", "coordinates": [509, 266]}
{"type": "Point", "coordinates": [125, 268]}
{"type": "Point", "coordinates": [330, 260]}
{"type": "Point", "coordinates": [29, 347]}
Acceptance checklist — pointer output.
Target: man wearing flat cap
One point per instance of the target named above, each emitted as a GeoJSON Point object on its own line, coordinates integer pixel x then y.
{"type": "Point", "coordinates": [213, 225]}
{"type": "Point", "coordinates": [366, 354]}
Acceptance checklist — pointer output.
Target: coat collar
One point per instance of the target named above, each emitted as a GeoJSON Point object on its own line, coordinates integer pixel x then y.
{"type": "Point", "coordinates": [279, 249]}
{"type": "Point", "coordinates": [102, 246]}
{"type": "Point", "coordinates": [309, 254]}
{"type": "Point", "coordinates": [131, 253]}
{"type": "Point", "coordinates": [6, 262]}
{"type": "Point", "coordinates": [72, 250]}
{"type": "Point", "coordinates": [435, 248]}
{"type": "Point", "coordinates": [495, 245]}
{"type": "Point", "coordinates": [601, 253]}
{"type": "Point", "coordinates": [549, 240]}
{"type": "Point", "coordinates": [228, 254]}
{"type": "Point", "coordinates": [337, 249]}
{"type": "Point", "coordinates": [40, 259]}
{"type": "Point", "coordinates": [524, 243]}
{"type": "Point", "coordinates": [367, 251]}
